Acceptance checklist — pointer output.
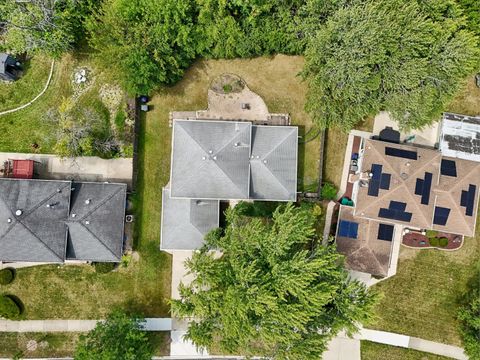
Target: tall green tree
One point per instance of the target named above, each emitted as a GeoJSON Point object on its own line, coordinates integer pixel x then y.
{"type": "Point", "coordinates": [469, 315]}
{"type": "Point", "coordinates": [118, 338]}
{"type": "Point", "coordinates": [406, 57]}
{"type": "Point", "coordinates": [273, 291]}
{"type": "Point", "coordinates": [48, 26]}
{"type": "Point", "coordinates": [146, 42]}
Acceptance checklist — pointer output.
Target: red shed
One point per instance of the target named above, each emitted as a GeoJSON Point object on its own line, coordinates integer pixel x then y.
{"type": "Point", "coordinates": [23, 169]}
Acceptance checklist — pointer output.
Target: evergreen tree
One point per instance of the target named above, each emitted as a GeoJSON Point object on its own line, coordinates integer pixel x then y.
{"type": "Point", "coordinates": [273, 291]}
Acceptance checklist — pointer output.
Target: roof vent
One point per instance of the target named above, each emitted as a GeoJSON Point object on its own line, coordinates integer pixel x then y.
{"type": "Point", "coordinates": [215, 158]}
{"type": "Point", "coordinates": [87, 222]}
{"type": "Point", "coordinates": [18, 212]}
{"type": "Point", "coordinates": [9, 220]}
{"type": "Point", "coordinates": [404, 176]}
{"type": "Point", "coordinates": [59, 190]}
{"type": "Point", "coordinates": [88, 201]}
{"type": "Point", "coordinates": [407, 164]}
{"type": "Point", "coordinates": [210, 151]}
{"type": "Point", "coordinates": [73, 215]}
{"type": "Point", "coordinates": [264, 161]}
{"type": "Point", "coordinates": [48, 205]}
{"type": "Point", "coordinates": [204, 158]}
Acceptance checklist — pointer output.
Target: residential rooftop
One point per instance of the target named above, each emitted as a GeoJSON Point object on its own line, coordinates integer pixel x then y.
{"type": "Point", "coordinates": [417, 187]}
{"type": "Point", "coordinates": [54, 221]}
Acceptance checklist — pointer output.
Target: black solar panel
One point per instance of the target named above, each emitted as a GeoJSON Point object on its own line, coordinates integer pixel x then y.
{"type": "Point", "coordinates": [405, 154]}
{"type": "Point", "coordinates": [395, 211]}
{"type": "Point", "coordinates": [385, 181]}
{"type": "Point", "coordinates": [374, 183]}
{"type": "Point", "coordinates": [467, 199]}
{"type": "Point", "coordinates": [440, 216]}
{"type": "Point", "coordinates": [385, 232]}
{"type": "Point", "coordinates": [397, 205]}
{"type": "Point", "coordinates": [348, 229]}
{"type": "Point", "coordinates": [448, 168]}
{"type": "Point", "coordinates": [423, 187]}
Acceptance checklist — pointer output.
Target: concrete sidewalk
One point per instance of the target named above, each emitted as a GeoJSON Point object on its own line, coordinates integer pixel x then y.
{"type": "Point", "coordinates": [151, 324]}
{"type": "Point", "coordinates": [388, 338]}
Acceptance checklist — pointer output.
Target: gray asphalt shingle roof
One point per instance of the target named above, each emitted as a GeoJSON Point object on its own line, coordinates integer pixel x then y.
{"type": "Point", "coordinates": [233, 160]}
{"type": "Point", "coordinates": [40, 232]}
{"type": "Point", "coordinates": [186, 221]}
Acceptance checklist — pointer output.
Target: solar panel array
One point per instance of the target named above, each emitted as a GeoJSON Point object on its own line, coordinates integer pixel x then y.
{"type": "Point", "coordinates": [448, 168]}
{"type": "Point", "coordinates": [378, 181]}
{"type": "Point", "coordinates": [385, 232]}
{"type": "Point", "coordinates": [396, 211]}
{"type": "Point", "coordinates": [348, 229]}
{"type": "Point", "coordinates": [468, 199]}
{"type": "Point", "coordinates": [440, 216]}
{"type": "Point", "coordinates": [401, 153]}
{"type": "Point", "coordinates": [423, 187]}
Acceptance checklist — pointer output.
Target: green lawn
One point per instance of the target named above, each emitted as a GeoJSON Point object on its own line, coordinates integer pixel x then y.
{"type": "Point", "coordinates": [25, 89]}
{"type": "Point", "coordinates": [61, 344]}
{"type": "Point", "coordinates": [422, 298]}
{"type": "Point", "coordinates": [374, 351]}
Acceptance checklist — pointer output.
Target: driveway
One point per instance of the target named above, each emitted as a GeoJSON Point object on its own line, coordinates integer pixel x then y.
{"type": "Point", "coordinates": [86, 168]}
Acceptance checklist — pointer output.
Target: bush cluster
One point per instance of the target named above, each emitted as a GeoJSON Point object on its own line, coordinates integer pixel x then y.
{"type": "Point", "coordinates": [104, 267]}
{"type": "Point", "coordinates": [6, 276]}
{"type": "Point", "coordinates": [9, 309]}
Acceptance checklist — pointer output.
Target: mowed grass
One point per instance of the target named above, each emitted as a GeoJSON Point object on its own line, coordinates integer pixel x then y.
{"type": "Point", "coordinates": [422, 299]}
{"type": "Point", "coordinates": [23, 128]}
{"type": "Point", "coordinates": [334, 152]}
{"type": "Point", "coordinates": [374, 351]}
{"type": "Point", "coordinates": [27, 87]}
{"type": "Point", "coordinates": [61, 344]}
{"type": "Point", "coordinates": [468, 100]}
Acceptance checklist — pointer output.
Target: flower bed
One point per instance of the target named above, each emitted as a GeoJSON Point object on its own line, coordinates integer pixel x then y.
{"type": "Point", "coordinates": [440, 241]}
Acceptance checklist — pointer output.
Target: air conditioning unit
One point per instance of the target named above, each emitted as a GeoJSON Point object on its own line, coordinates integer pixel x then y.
{"type": "Point", "coordinates": [129, 218]}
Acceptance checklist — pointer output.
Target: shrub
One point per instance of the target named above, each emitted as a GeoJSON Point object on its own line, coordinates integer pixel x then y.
{"type": "Point", "coordinates": [227, 88]}
{"type": "Point", "coordinates": [329, 191]}
{"type": "Point", "coordinates": [434, 241]}
{"type": "Point", "coordinates": [443, 242]}
{"type": "Point", "coordinates": [257, 208]}
{"type": "Point", "coordinates": [6, 276]}
{"type": "Point", "coordinates": [104, 267]}
{"type": "Point", "coordinates": [9, 309]}
{"type": "Point", "coordinates": [431, 233]}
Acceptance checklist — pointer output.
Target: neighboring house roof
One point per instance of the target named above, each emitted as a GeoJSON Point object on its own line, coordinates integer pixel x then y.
{"type": "Point", "coordinates": [410, 186]}
{"type": "Point", "coordinates": [367, 252]}
{"type": "Point", "coordinates": [233, 160]}
{"type": "Point", "coordinates": [36, 219]}
{"type": "Point", "coordinates": [460, 136]}
{"type": "Point", "coordinates": [186, 221]}
{"type": "Point", "coordinates": [3, 62]}
{"type": "Point", "coordinates": [96, 231]}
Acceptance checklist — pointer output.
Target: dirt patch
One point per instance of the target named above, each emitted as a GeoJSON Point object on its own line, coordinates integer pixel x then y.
{"type": "Point", "coordinates": [227, 84]}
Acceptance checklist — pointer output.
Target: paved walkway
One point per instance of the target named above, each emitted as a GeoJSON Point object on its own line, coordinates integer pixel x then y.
{"type": "Point", "coordinates": [151, 324]}
{"type": "Point", "coordinates": [410, 342]}
{"type": "Point", "coordinates": [36, 97]}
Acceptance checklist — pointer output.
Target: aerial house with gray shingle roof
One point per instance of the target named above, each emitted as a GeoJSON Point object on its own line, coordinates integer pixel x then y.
{"type": "Point", "coordinates": [223, 160]}
{"type": "Point", "coordinates": [59, 221]}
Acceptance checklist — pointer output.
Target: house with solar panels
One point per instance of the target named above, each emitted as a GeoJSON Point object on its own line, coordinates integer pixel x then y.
{"type": "Point", "coordinates": [397, 188]}
{"type": "Point", "coordinates": [217, 161]}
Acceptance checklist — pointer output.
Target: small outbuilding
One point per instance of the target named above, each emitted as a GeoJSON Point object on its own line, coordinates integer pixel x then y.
{"type": "Point", "coordinates": [9, 67]}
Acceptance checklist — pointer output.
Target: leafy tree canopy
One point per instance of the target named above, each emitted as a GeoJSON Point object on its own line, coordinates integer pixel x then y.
{"type": "Point", "coordinates": [119, 337]}
{"type": "Point", "coordinates": [147, 43]}
{"type": "Point", "coordinates": [273, 291]}
{"type": "Point", "coordinates": [406, 57]}
{"type": "Point", "coordinates": [49, 26]}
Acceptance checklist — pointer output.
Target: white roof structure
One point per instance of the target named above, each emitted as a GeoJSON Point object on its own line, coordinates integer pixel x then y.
{"type": "Point", "coordinates": [460, 136]}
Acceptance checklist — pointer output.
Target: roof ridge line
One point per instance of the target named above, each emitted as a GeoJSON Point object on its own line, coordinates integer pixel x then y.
{"type": "Point", "coordinates": [36, 237]}
{"type": "Point", "coordinates": [96, 237]}
{"type": "Point", "coordinates": [97, 206]}
{"type": "Point", "coordinates": [218, 166]}
{"type": "Point", "coordinates": [280, 143]}
{"type": "Point", "coordinates": [270, 171]}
